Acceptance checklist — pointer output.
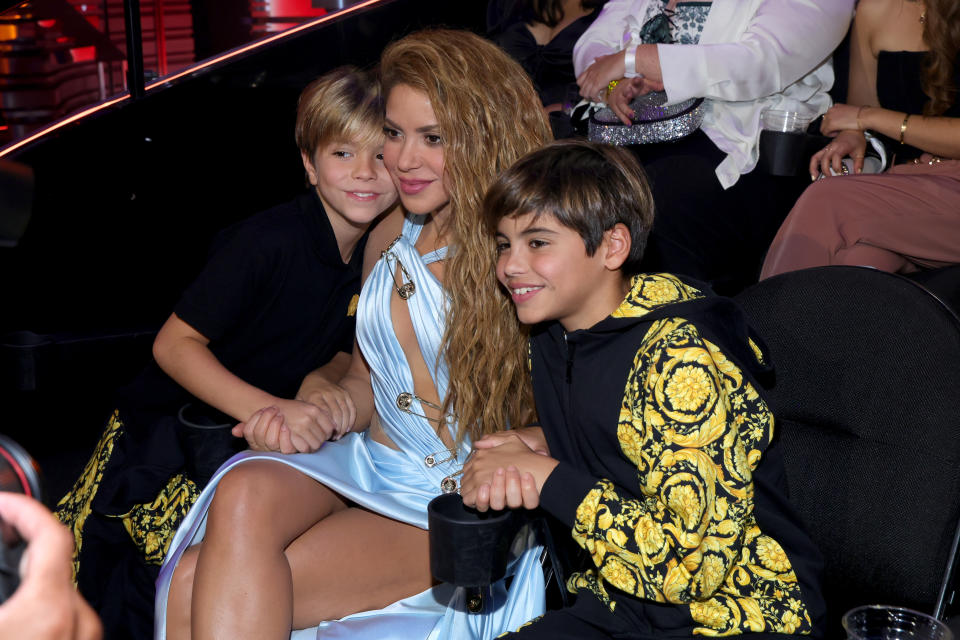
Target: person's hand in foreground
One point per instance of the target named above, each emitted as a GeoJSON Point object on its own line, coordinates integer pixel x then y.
{"type": "Point", "coordinates": [45, 606]}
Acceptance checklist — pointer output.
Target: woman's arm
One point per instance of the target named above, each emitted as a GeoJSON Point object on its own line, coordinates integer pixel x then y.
{"type": "Point", "coordinates": [862, 90]}
{"type": "Point", "coordinates": [183, 353]}
{"type": "Point", "coordinates": [862, 82]}
{"type": "Point", "coordinates": [937, 135]}
{"type": "Point", "coordinates": [784, 41]}
{"type": "Point", "coordinates": [339, 405]}
{"type": "Point", "coordinates": [326, 385]}
{"type": "Point", "coordinates": [605, 35]}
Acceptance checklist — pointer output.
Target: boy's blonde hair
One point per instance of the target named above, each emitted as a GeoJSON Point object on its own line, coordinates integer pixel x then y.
{"type": "Point", "coordinates": [343, 105]}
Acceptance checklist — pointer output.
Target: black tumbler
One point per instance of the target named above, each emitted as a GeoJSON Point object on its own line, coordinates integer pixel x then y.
{"type": "Point", "coordinates": [469, 548]}
{"type": "Point", "coordinates": [782, 153]}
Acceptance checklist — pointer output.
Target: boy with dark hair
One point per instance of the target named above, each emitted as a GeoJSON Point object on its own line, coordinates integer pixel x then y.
{"type": "Point", "coordinates": [657, 449]}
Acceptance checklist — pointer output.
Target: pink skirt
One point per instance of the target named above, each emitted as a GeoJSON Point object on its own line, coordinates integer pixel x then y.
{"type": "Point", "coordinates": [899, 221]}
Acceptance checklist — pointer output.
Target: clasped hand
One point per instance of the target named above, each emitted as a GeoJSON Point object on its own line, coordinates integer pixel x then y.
{"type": "Point", "coordinates": [595, 78]}
{"type": "Point", "coordinates": [626, 90]}
{"type": "Point", "coordinates": [507, 469]}
{"type": "Point", "coordinates": [301, 425]}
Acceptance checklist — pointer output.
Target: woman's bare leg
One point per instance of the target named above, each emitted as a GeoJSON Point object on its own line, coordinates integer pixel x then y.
{"type": "Point", "coordinates": [242, 586]}
{"type": "Point", "coordinates": [352, 560]}
{"type": "Point", "coordinates": [181, 595]}
{"type": "Point", "coordinates": [356, 560]}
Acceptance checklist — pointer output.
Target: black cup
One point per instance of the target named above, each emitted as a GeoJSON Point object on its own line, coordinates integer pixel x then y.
{"type": "Point", "coordinates": [469, 548]}
{"type": "Point", "coordinates": [782, 153]}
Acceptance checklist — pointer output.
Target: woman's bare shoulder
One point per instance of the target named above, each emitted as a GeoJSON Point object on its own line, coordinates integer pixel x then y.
{"type": "Point", "coordinates": [872, 13]}
{"type": "Point", "coordinates": [889, 25]}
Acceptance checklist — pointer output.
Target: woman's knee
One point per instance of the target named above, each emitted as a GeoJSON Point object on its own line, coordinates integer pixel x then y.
{"type": "Point", "coordinates": [267, 500]}
{"type": "Point", "coordinates": [248, 493]}
{"type": "Point", "coordinates": [819, 201]}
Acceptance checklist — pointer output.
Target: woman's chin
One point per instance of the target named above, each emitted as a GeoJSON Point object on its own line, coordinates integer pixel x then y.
{"type": "Point", "coordinates": [420, 207]}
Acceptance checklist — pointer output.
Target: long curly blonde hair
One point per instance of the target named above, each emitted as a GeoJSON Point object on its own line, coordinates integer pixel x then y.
{"type": "Point", "coordinates": [489, 116]}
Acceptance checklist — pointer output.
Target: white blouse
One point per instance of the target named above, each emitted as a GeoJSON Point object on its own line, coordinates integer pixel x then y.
{"type": "Point", "coordinates": [753, 55]}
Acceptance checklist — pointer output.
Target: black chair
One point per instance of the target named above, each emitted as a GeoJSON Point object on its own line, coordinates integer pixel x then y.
{"type": "Point", "coordinates": [867, 402]}
{"type": "Point", "coordinates": [943, 283]}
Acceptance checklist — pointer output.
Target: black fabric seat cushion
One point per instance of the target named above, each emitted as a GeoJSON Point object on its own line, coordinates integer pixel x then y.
{"type": "Point", "coordinates": [867, 399]}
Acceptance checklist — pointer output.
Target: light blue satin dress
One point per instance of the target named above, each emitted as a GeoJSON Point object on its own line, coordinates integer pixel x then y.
{"type": "Point", "coordinates": [397, 484]}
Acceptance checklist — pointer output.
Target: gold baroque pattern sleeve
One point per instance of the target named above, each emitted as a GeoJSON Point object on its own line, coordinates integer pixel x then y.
{"type": "Point", "coordinates": [695, 429]}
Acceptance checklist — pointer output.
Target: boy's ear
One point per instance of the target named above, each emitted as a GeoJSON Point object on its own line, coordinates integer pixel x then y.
{"type": "Point", "coordinates": [616, 246]}
{"type": "Point", "coordinates": [309, 168]}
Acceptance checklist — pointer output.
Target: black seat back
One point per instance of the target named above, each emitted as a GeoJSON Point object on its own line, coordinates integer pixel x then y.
{"type": "Point", "coordinates": [867, 402]}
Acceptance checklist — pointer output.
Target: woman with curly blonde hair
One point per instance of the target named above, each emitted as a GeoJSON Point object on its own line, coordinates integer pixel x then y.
{"type": "Point", "coordinates": [335, 540]}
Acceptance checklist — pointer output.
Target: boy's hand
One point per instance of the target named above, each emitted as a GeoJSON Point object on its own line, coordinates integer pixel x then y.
{"type": "Point", "coordinates": [507, 474]}
{"type": "Point", "coordinates": [263, 432]}
{"type": "Point", "coordinates": [508, 489]}
{"type": "Point", "coordinates": [335, 400]}
{"type": "Point", "coordinates": [290, 426]}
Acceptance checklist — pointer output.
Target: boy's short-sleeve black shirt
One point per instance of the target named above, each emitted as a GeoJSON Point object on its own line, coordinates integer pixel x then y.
{"type": "Point", "coordinates": [275, 298]}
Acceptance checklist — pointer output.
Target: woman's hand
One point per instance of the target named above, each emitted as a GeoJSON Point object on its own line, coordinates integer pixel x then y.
{"type": "Point", "coordinates": [625, 91]}
{"type": "Point", "coordinates": [841, 117]}
{"type": "Point", "coordinates": [335, 400]}
{"type": "Point", "coordinates": [290, 426]}
{"type": "Point", "coordinates": [847, 143]}
{"type": "Point", "coordinates": [530, 436]}
{"type": "Point", "coordinates": [594, 80]}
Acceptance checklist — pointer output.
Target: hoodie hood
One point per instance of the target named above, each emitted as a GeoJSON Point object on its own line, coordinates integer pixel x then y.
{"type": "Point", "coordinates": [654, 296]}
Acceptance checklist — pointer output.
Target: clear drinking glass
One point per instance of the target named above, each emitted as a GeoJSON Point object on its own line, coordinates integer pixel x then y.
{"type": "Point", "coordinates": [881, 622]}
{"type": "Point", "coordinates": [786, 121]}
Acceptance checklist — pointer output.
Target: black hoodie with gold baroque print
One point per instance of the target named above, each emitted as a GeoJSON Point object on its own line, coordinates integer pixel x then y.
{"type": "Point", "coordinates": [669, 476]}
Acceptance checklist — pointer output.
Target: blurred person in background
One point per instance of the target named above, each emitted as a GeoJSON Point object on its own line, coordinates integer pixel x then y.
{"type": "Point", "coordinates": [904, 78]}
{"type": "Point", "coordinates": [715, 214]}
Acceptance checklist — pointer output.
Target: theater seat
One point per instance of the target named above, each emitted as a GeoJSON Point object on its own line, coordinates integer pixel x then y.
{"type": "Point", "coordinates": [943, 283]}
{"type": "Point", "coordinates": [867, 402]}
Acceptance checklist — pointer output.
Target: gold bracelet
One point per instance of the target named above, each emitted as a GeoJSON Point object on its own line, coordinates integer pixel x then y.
{"type": "Point", "coordinates": [860, 111]}
{"type": "Point", "coordinates": [903, 127]}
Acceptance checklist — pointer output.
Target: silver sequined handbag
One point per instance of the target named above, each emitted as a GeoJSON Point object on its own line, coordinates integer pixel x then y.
{"type": "Point", "coordinates": [652, 121]}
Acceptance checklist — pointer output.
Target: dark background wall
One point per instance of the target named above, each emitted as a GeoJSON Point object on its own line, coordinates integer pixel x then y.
{"type": "Point", "coordinates": [125, 204]}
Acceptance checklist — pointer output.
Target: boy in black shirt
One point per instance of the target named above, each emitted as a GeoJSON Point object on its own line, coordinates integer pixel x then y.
{"type": "Point", "coordinates": [656, 448]}
{"type": "Point", "coordinates": [276, 300]}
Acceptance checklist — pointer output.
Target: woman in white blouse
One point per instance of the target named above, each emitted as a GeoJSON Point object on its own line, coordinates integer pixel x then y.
{"type": "Point", "coordinates": [715, 217]}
